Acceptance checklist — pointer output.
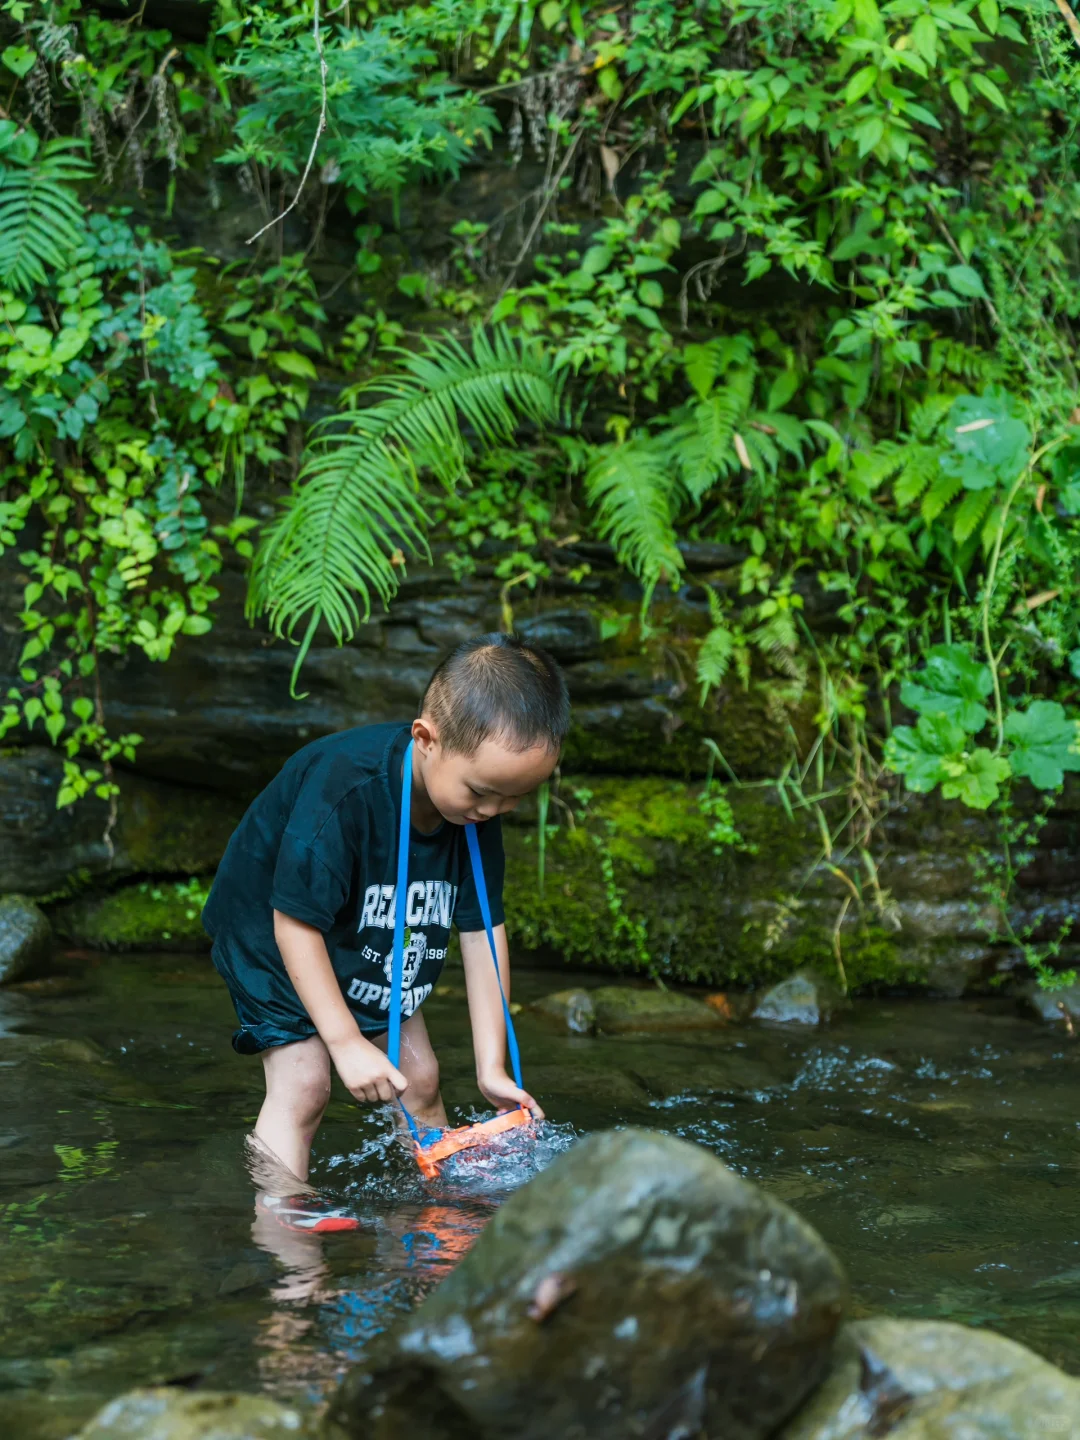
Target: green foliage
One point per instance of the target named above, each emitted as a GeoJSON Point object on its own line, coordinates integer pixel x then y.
{"type": "Point", "coordinates": [392, 116]}
{"type": "Point", "coordinates": [40, 216]}
{"type": "Point", "coordinates": [356, 510]}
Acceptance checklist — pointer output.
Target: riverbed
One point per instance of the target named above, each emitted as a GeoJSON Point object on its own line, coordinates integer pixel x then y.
{"type": "Point", "coordinates": [933, 1143]}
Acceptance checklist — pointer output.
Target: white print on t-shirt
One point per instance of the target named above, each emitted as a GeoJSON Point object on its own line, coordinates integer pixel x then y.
{"type": "Point", "coordinates": [411, 960]}
{"type": "Point", "coordinates": [365, 992]}
{"type": "Point", "coordinates": [428, 902]}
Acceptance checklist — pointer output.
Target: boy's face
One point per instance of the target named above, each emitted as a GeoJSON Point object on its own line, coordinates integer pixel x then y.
{"type": "Point", "coordinates": [471, 788]}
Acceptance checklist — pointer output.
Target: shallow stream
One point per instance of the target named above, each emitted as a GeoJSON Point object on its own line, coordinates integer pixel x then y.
{"type": "Point", "coordinates": [933, 1144]}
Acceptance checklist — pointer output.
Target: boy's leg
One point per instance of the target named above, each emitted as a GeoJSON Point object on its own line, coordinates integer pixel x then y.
{"type": "Point", "coordinates": [297, 1093]}
{"type": "Point", "coordinates": [420, 1067]}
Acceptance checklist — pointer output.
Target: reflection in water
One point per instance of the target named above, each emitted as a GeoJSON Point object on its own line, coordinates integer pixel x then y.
{"type": "Point", "coordinates": [934, 1145]}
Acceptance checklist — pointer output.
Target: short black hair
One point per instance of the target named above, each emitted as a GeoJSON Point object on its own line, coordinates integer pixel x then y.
{"type": "Point", "coordinates": [498, 686]}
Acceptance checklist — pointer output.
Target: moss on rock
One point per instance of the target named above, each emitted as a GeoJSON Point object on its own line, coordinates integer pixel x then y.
{"type": "Point", "coordinates": [162, 915]}
{"type": "Point", "coordinates": [646, 881]}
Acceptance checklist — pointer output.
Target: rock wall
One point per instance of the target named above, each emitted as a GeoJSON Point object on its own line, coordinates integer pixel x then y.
{"type": "Point", "coordinates": [637, 882]}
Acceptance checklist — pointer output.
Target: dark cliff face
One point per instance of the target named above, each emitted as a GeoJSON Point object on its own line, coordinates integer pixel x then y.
{"type": "Point", "coordinates": [218, 713]}
{"type": "Point", "coordinates": [218, 722]}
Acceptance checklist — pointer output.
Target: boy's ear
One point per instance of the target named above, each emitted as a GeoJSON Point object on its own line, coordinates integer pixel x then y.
{"type": "Point", "coordinates": [426, 733]}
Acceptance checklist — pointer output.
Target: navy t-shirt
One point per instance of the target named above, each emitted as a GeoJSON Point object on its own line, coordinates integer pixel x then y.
{"type": "Point", "coordinates": [320, 844]}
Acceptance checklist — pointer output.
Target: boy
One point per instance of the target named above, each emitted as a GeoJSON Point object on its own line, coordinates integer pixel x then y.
{"type": "Point", "coordinates": [301, 913]}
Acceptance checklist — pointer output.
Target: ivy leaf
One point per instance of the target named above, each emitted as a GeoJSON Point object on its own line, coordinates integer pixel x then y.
{"type": "Point", "coordinates": [975, 779]}
{"type": "Point", "coordinates": [1045, 743]}
{"type": "Point", "coordinates": [952, 684]}
{"type": "Point", "coordinates": [921, 755]}
{"type": "Point", "coordinates": [19, 59]}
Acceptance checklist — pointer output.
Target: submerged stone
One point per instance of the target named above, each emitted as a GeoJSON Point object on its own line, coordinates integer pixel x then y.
{"type": "Point", "coordinates": [932, 1380]}
{"type": "Point", "coordinates": [25, 937]}
{"type": "Point", "coordinates": [635, 1287]}
{"type": "Point", "coordinates": [805, 998]}
{"type": "Point", "coordinates": [621, 1008]}
{"type": "Point", "coordinates": [166, 1413]}
{"type": "Point", "coordinates": [570, 1010]}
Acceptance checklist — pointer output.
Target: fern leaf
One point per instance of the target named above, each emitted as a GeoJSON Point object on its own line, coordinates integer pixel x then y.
{"type": "Point", "coordinates": [969, 514]}
{"type": "Point", "coordinates": [920, 468]}
{"type": "Point", "coordinates": [940, 495]}
{"type": "Point", "coordinates": [874, 467]}
{"type": "Point", "coordinates": [41, 216]}
{"type": "Point", "coordinates": [926, 418]}
{"type": "Point", "coordinates": [630, 485]}
{"type": "Point", "coordinates": [789, 433]}
{"type": "Point", "coordinates": [357, 500]}
{"type": "Point", "coordinates": [714, 658]}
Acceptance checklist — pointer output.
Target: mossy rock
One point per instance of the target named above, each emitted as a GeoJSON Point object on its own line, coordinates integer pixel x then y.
{"type": "Point", "coordinates": [167, 1413]}
{"type": "Point", "coordinates": [149, 916]}
{"type": "Point", "coordinates": [623, 1008]}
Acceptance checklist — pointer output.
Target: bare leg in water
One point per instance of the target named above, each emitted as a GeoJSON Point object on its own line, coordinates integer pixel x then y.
{"type": "Point", "coordinates": [298, 1091]}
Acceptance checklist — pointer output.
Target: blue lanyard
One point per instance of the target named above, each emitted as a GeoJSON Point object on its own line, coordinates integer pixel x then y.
{"type": "Point", "coordinates": [397, 966]}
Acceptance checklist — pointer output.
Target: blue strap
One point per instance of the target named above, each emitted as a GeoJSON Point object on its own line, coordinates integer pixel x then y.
{"type": "Point", "coordinates": [397, 963]}
{"type": "Point", "coordinates": [485, 911]}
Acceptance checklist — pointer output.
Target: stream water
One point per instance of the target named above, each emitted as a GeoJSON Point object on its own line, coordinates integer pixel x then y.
{"type": "Point", "coordinates": [933, 1144]}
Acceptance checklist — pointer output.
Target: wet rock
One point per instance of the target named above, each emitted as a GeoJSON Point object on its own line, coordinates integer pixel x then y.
{"type": "Point", "coordinates": [623, 1008]}
{"type": "Point", "coordinates": [25, 937]}
{"type": "Point", "coordinates": [805, 998]}
{"type": "Point", "coordinates": [1055, 1007]}
{"type": "Point", "coordinates": [160, 829]}
{"type": "Point", "coordinates": [931, 1380]}
{"type": "Point", "coordinates": [570, 1010]}
{"type": "Point", "coordinates": [637, 1287]}
{"type": "Point", "coordinates": [165, 1413]}
{"type": "Point", "coordinates": [149, 916]}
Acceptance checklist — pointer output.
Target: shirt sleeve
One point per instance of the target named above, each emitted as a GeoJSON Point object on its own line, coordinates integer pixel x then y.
{"type": "Point", "coordinates": [310, 878]}
{"type": "Point", "coordinates": [467, 914]}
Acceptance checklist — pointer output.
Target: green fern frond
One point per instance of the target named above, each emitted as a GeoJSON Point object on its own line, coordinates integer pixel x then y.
{"type": "Point", "coordinates": [873, 467]}
{"type": "Point", "coordinates": [927, 417]}
{"type": "Point", "coordinates": [630, 485]}
{"type": "Point", "coordinates": [970, 513]}
{"type": "Point", "coordinates": [940, 496]}
{"type": "Point", "coordinates": [714, 658]}
{"type": "Point", "coordinates": [791, 434]}
{"type": "Point", "coordinates": [920, 468]}
{"type": "Point", "coordinates": [357, 501]}
{"type": "Point", "coordinates": [41, 216]}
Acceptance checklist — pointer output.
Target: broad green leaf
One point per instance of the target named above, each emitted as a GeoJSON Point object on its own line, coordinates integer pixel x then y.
{"type": "Point", "coordinates": [868, 134]}
{"type": "Point", "coordinates": [953, 684]}
{"type": "Point", "coordinates": [1044, 743]}
{"type": "Point", "coordinates": [966, 280]}
{"type": "Point", "coordinates": [293, 363]}
{"type": "Point", "coordinates": [975, 779]}
{"type": "Point", "coordinates": [19, 59]}
{"type": "Point", "coordinates": [924, 37]}
{"type": "Point", "coordinates": [959, 92]}
{"type": "Point", "coordinates": [990, 15]}
{"type": "Point", "coordinates": [651, 292]}
{"type": "Point", "coordinates": [860, 84]}
{"type": "Point", "coordinates": [987, 438]}
{"type": "Point", "coordinates": [986, 86]}
{"type": "Point", "coordinates": [921, 755]}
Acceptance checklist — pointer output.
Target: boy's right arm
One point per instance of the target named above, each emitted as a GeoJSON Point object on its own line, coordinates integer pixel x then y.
{"type": "Point", "coordinates": [365, 1071]}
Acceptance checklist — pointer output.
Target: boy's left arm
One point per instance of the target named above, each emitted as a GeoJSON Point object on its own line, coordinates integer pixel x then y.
{"type": "Point", "coordinates": [488, 1022]}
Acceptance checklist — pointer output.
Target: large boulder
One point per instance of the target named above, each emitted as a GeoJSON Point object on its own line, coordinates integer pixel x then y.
{"type": "Point", "coordinates": [25, 937]}
{"type": "Point", "coordinates": [166, 1413]}
{"type": "Point", "coordinates": [636, 1287]}
{"type": "Point", "coordinates": [931, 1380]}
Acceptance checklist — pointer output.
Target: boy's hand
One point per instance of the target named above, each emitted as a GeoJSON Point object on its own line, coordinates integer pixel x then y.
{"type": "Point", "coordinates": [366, 1072]}
{"type": "Point", "coordinates": [497, 1087]}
